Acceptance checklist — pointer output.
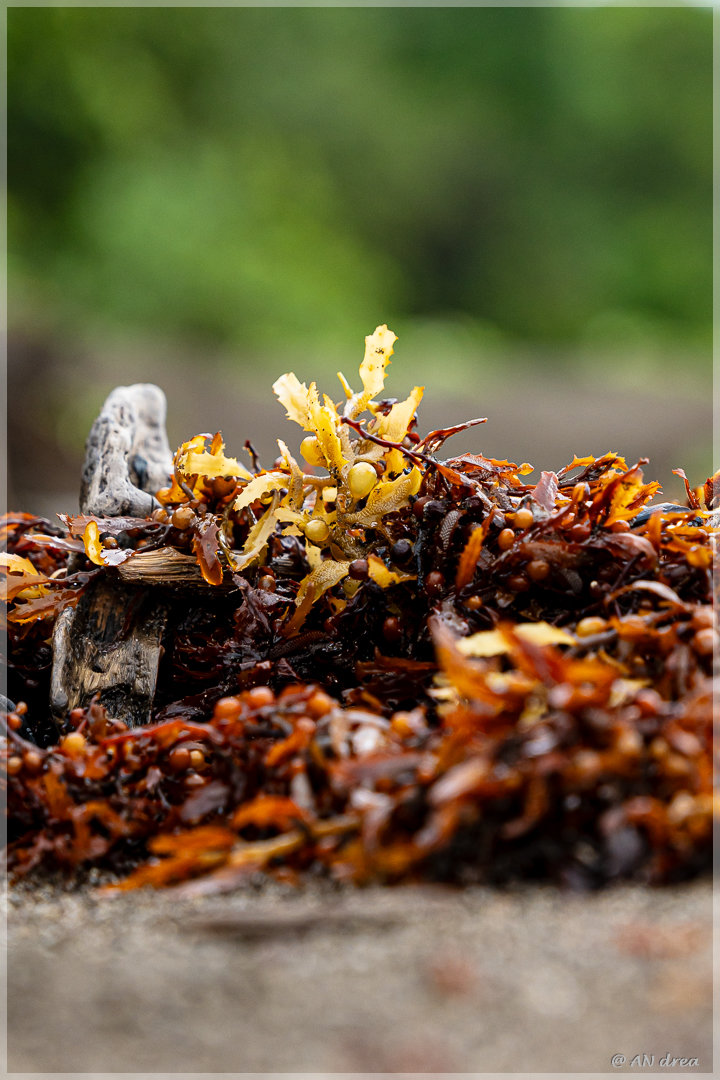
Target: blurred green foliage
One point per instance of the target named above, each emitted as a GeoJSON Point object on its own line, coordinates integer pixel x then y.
{"type": "Point", "coordinates": [257, 176]}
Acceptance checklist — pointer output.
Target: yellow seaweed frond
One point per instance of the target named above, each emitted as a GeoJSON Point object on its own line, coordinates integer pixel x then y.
{"type": "Point", "coordinates": [293, 394]}
{"type": "Point", "coordinates": [378, 350]}
{"type": "Point", "coordinates": [256, 541]}
{"type": "Point", "coordinates": [212, 466]}
{"type": "Point", "coordinates": [323, 577]}
{"type": "Point", "coordinates": [348, 390]}
{"type": "Point", "coordinates": [325, 422]}
{"type": "Point", "coordinates": [93, 543]}
{"type": "Point", "coordinates": [387, 496]}
{"type": "Point", "coordinates": [382, 576]}
{"type": "Point", "coordinates": [17, 565]}
{"type": "Point", "coordinates": [497, 642]}
{"type": "Point", "coordinates": [260, 485]}
{"type": "Point", "coordinates": [297, 478]}
{"type": "Point", "coordinates": [395, 424]}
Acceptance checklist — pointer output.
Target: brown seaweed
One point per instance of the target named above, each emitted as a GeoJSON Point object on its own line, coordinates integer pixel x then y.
{"type": "Point", "coordinates": [420, 669]}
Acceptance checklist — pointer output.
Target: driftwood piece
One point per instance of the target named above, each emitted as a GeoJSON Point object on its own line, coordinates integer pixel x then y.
{"type": "Point", "coordinates": [110, 644]}
{"type": "Point", "coordinates": [127, 455]}
{"type": "Point", "coordinates": [168, 567]}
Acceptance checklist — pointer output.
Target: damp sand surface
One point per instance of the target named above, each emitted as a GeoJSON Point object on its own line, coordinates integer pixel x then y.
{"type": "Point", "coordinates": [322, 979]}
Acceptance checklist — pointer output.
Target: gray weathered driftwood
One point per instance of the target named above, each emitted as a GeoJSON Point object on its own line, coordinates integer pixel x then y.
{"type": "Point", "coordinates": [127, 456]}
{"type": "Point", "coordinates": [110, 643]}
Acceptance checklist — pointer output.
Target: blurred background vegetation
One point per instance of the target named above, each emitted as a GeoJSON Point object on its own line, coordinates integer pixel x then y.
{"type": "Point", "coordinates": [206, 197]}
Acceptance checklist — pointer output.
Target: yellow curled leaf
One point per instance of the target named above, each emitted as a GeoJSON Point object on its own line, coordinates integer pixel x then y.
{"type": "Point", "coordinates": [260, 485]}
{"type": "Point", "coordinates": [212, 465]}
{"type": "Point", "coordinates": [497, 642]}
{"type": "Point", "coordinates": [93, 543]}
{"type": "Point", "coordinates": [322, 578]}
{"type": "Point", "coordinates": [383, 576]}
{"type": "Point", "coordinates": [313, 554]}
{"type": "Point", "coordinates": [256, 540]}
{"type": "Point", "coordinates": [330, 406]}
{"type": "Point", "coordinates": [16, 564]}
{"type": "Point", "coordinates": [324, 421]}
{"type": "Point", "coordinates": [630, 495]}
{"type": "Point", "coordinates": [387, 496]}
{"type": "Point", "coordinates": [486, 643]}
{"type": "Point", "coordinates": [338, 604]}
{"type": "Point", "coordinates": [295, 488]}
{"type": "Point", "coordinates": [378, 350]}
{"type": "Point", "coordinates": [284, 513]}
{"type": "Point", "coordinates": [394, 425]}
{"type": "Point", "coordinates": [293, 394]}
{"type": "Point", "coordinates": [395, 462]}
{"type": "Point", "coordinates": [467, 679]}
{"type": "Point", "coordinates": [196, 443]}
{"type": "Point", "coordinates": [579, 462]}
{"type": "Point", "coordinates": [345, 385]}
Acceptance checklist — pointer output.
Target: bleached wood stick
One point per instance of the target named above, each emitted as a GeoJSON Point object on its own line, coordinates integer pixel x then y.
{"type": "Point", "coordinates": [110, 644]}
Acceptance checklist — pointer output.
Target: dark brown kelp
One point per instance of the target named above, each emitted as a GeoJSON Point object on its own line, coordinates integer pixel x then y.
{"type": "Point", "coordinates": [380, 665]}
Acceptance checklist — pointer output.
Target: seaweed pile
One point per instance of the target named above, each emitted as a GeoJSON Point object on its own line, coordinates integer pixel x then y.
{"type": "Point", "coordinates": [381, 665]}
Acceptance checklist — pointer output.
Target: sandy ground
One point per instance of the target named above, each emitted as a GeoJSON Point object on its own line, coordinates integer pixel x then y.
{"type": "Point", "coordinates": [321, 980]}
